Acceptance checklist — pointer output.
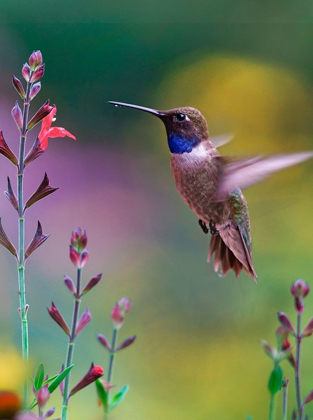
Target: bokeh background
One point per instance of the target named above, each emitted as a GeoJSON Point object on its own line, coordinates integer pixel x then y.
{"type": "Point", "coordinates": [249, 68]}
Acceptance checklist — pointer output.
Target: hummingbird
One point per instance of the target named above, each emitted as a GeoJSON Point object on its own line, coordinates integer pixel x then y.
{"type": "Point", "coordinates": [210, 184]}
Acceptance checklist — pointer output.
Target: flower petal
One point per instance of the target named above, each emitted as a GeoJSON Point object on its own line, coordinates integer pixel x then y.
{"type": "Point", "coordinates": [59, 132]}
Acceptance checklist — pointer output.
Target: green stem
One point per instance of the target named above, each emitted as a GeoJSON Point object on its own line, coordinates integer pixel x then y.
{"type": "Point", "coordinates": [111, 368]}
{"type": "Point", "coordinates": [21, 238]}
{"type": "Point", "coordinates": [272, 407]}
{"type": "Point", "coordinates": [71, 344]}
{"type": "Point", "coordinates": [285, 395]}
{"type": "Point", "coordinates": [297, 368]}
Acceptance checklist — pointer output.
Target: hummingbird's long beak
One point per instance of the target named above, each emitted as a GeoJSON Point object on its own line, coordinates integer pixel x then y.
{"type": "Point", "coordinates": [155, 112]}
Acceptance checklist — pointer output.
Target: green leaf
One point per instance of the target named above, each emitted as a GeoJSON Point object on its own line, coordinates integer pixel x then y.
{"type": "Point", "coordinates": [50, 380]}
{"type": "Point", "coordinates": [39, 377]}
{"type": "Point", "coordinates": [102, 394]}
{"type": "Point", "coordinates": [33, 404]}
{"type": "Point", "coordinates": [248, 417]}
{"type": "Point", "coordinates": [53, 386]}
{"type": "Point", "coordinates": [275, 381]}
{"type": "Point", "coordinates": [118, 398]}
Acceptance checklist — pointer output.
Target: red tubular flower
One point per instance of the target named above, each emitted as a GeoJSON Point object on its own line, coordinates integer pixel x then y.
{"type": "Point", "coordinates": [94, 373]}
{"type": "Point", "coordinates": [47, 131]}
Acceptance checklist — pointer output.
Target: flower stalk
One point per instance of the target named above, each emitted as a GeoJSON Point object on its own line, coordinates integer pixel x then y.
{"type": "Point", "coordinates": [71, 343]}
{"type": "Point", "coordinates": [297, 368]}
{"type": "Point", "coordinates": [111, 363]}
{"type": "Point", "coordinates": [21, 237]}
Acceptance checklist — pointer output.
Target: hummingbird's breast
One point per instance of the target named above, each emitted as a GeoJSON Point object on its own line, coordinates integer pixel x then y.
{"type": "Point", "coordinates": [196, 178]}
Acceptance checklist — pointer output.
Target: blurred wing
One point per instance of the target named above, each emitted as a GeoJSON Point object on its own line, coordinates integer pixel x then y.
{"type": "Point", "coordinates": [219, 141]}
{"type": "Point", "coordinates": [245, 172]}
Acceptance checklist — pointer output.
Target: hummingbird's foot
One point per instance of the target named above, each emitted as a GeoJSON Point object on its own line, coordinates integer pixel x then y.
{"type": "Point", "coordinates": [203, 226]}
{"type": "Point", "coordinates": [213, 229]}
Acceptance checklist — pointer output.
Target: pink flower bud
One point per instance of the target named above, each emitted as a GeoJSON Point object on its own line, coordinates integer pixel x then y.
{"type": "Point", "coordinates": [18, 86]}
{"type": "Point", "coordinates": [49, 412]}
{"type": "Point", "coordinates": [70, 284]}
{"type": "Point", "coordinates": [75, 257]}
{"type": "Point", "coordinates": [94, 373]}
{"type": "Point", "coordinates": [42, 397]}
{"type": "Point", "coordinates": [117, 317]}
{"type": "Point", "coordinates": [38, 239]}
{"type": "Point", "coordinates": [124, 304]}
{"type": "Point", "coordinates": [269, 350]}
{"type": "Point", "coordinates": [103, 340]}
{"type": "Point", "coordinates": [10, 195]}
{"type": "Point", "coordinates": [83, 321]}
{"type": "Point", "coordinates": [26, 72]}
{"type": "Point", "coordinates": [308, 398]}
{"type": "Point", "coordinates": [119, 311]}
{"type": "Point", "coordinates": [84, 257]}
{"type": "Point", "coordinates": [6, 151]}
{"type": "Point", "coordinates": [58, 318]}
{"type": "Point", "coordinates": [308, 330]}
{"type": "Point", "coordinates": [300, 289]}
{"type": "Point", "coordinates": [38, 74]}
{"type": "Point", "coordinates": [35, 60]}
{"type": "Point", "coordinates": [285, 322]}
{"type": "Point", "coordinates": [299, 305]}
{"type": "Point", "coordinates": [92, 283]}
{"type": "Point", "coordinates": [79, 240]}
{"type": "Point", "coordinates": [17, 116]}
{"type": "Point", "coordinates": [35, 89]}
{"type": "Point", "coordinates": [126, 343]}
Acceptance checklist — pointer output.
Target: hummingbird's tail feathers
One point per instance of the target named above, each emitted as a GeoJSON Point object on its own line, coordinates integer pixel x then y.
{"type": "Point", "coordinates": [231, 253]}
{"type": "Point", "coordinates": [243, 173]}
{"type": "Point", "coordinates": [223, 257]}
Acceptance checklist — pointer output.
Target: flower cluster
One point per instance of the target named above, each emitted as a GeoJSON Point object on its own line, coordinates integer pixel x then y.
{"type": "Point", "coordinates": [118, 313]}
{"type": "Point", "coordinates": [285, 334]}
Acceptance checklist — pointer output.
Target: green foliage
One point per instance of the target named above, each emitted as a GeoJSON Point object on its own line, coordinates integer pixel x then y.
{"type": "Point", "coordinates": [52, 387]}
{"type": "Point", "coordinates": [275, 381]}
{"type": "Point", "coordinates": [39, 377]}
{"type": "Point", "coordinates": [118, 398]}
{"type": "Point", "coordinates": [102, 394]}
{"type": "Point", "coordinates": [55, 381]}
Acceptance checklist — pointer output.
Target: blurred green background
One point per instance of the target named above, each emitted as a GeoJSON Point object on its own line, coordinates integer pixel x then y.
{"type": "Point", "coordinates": [249, 68]}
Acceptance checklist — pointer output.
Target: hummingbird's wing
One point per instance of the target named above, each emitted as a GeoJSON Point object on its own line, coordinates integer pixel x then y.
{"type": "Point", "coordinates": [219, 141]}
{"type": "Point", "coordinates": [242, 173]}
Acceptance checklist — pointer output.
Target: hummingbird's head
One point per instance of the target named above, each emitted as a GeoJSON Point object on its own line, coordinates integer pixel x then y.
{"type": "Point", "coordinates": [186, 127]}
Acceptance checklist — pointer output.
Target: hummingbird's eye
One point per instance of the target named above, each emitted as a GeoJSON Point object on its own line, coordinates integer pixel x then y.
{"type": "Point", "coordinates": [180, 117]}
